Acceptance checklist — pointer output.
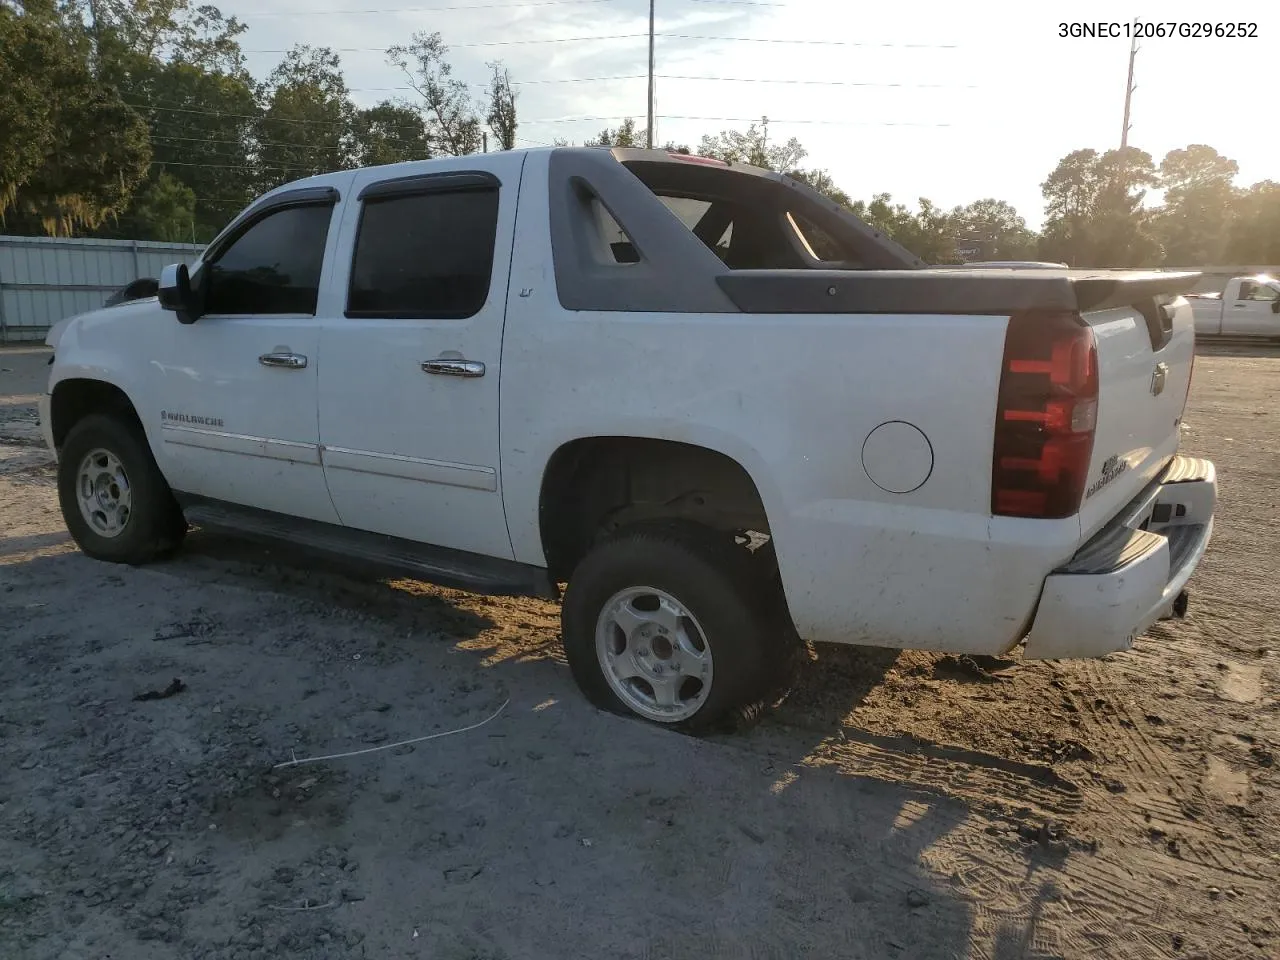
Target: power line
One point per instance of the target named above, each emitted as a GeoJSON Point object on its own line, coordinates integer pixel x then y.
{"type": "Point", "coordinates": [487, 43]}
{"type": "Point", "coordinates": [821, 43]}
{"type": "Point", "coordinates": [817, 122]}
{"type": "Point", "coordinates": [827, 83]}
{"type": "Point", "coordinates": [307, 11]}
{"type": "Point", "coordinates": [302, 11]}
{"type": "Point", "coordinates": [272, 143]}
{"type": "Point", "coordinates": [514, 83]}
{"type": "Point", "coordinates": [672, 116]}
{"type": "Point", "coordinates": [665, 36]}
{"type": "Point", "coordinates": [675, 76]}
{"type": "Point", "coordinates": [332, 123]}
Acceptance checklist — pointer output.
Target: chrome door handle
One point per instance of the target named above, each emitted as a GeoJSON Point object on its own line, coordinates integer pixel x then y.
{"type": "Point", "coordinates": [454, 368]}
{"type": "Point", "coordinates": [289, 361]}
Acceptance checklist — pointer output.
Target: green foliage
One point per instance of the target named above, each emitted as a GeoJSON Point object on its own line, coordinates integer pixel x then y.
{"type": "Point", "coordinates": [628, 134]}
{"type": "Point", "coordinates": [502, 107]}
{"type": "Point", "coordinates": [164, 210]}
{"type": "Point", "coordinates": [453, 122]}
{"type": "Point", "coordinates": [389, 133]}
{"type": "Point", "coordinates": [996, 228]}
{"type": "Point", "coordinates": [824, 183]}
{"type": "Point", "coordinates": [73, 150]}
{"type": "Point", "coordinates": [202, 127]}
{"type": "Point", "coordinates": [752, 147]}
{"type": "Point", "coordinates": [141, 120]}
{"type": "Point", "coordinates": [1255, 234]}
{"type": "Point", "coordinates": [1195, 223]}
{"type": "Point", "coordinates": [307, 117]}
{"type": "Point", "coordinates": [1094, 211]}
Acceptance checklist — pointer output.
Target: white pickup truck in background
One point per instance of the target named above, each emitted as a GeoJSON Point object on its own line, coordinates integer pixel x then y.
{"type": "Point", "coordinates": [1247, 307]}
{"type": "Point", "coordinates": [720, 407]}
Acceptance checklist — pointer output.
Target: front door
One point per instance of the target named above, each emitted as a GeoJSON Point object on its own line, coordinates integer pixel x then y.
{"type": "Point", "coordinates": [238, 387]}
{"type": "Point", "coordinates": [1250, 315]}
{"type": "Point", "coordinates": [410, 358]}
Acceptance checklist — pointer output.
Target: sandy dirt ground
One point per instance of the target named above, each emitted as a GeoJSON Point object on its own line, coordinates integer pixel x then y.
{"type": "Point", "coordinates": [894, 805]}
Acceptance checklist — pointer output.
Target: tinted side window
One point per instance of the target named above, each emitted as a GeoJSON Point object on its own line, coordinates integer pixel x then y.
{"type": "Point", "coordinates": [424, 256]}
{"type": "Point", "coordinates": [274, 266]}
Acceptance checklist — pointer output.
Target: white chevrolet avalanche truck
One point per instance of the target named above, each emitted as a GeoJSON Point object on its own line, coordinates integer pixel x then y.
{"type": "Point", "coordinates": [724, 411]}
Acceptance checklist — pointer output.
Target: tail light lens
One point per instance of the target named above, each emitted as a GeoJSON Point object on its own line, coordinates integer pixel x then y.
{"type": "Point", "coordinates": [1045, 416]}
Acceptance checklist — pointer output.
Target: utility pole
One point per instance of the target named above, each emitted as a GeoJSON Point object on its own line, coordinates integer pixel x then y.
{"type": "Point", "coordinates": [649, 132]}
{"type": "Point", "coordinates": [485, 137]}
{"type": "Point", "coordinates": [1128, 94]}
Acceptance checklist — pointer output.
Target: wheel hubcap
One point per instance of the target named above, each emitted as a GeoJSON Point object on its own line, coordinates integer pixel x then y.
{"type": "Point", "coordinates": [103, 492]}
{"type": "Point", "coordinates": [654, 654]}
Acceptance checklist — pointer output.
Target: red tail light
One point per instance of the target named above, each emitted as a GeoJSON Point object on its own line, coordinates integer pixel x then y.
{"type": "Point", "coordinates": [1045, 416]}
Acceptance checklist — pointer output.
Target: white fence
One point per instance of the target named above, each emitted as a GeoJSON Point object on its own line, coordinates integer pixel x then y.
{"type": "Point", "coordinates": [43, 279]}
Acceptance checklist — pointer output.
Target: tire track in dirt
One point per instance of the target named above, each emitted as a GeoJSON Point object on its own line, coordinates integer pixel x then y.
{"type": "Point", "coordinates": [979, 779]}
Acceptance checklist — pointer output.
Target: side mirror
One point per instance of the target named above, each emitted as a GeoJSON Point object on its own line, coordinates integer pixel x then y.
{"type": "Point", "coordinates": [175, 293]}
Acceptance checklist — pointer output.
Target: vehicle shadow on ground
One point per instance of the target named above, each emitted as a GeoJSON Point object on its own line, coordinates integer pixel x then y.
{"type": "Point", "coordinates": [12, 546]}
{"type": "Point", "coordinates": [844, 859]}
{"type": "Point", "coordinates": [407, 606]}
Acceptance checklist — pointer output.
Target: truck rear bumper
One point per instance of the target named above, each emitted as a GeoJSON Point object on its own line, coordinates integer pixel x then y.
{"type": "Point", "coordinates": [1132, 572]}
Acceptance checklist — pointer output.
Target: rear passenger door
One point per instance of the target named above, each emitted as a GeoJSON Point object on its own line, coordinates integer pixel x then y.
{"type": "Point", "coordinates": [408, 391]}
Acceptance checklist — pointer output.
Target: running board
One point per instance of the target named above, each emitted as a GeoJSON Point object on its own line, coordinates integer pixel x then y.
{"type": "Point", "coordinates": [391, 556]}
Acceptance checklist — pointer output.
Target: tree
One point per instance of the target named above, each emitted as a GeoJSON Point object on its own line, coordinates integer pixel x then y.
{"type": "Point", "coordinates": [1195, 223]}
{"type": "Point", "coordinates": [73, 151]}
{"type": "Point", "coordinates": [996, 227]}
{"type": "Point", "coordinates": [164, 31]}
{"type": "Point", "coordinates": [824, 183]}
{"type": "Point", "coordinates": [453, 125]}
{"type": "Point", "coordinates": [203, 125]}
{"type": "Point", "coordinates": [181, 68]}
{"type": "Point", "coordinates": [1122, 228]}
{"type": "Point", "coordinates": [389, 133]}
{"type": "Point", "coordinates": [928, 233]}
{"type": "Point", "coordinates": [1255, 231]}
{"type": "Point", "coordinates": [751, 146]}
{"type": "Point", "coordinates": [1094, 213]}
{"type": "Point", "coordinates": [627, 135]}
{"type": "Point", "coordinates": [163, 210]}
{"type": "Point", "coordinates": [307, 117]}
{"type": "Point", "coordinates": [502, 107]}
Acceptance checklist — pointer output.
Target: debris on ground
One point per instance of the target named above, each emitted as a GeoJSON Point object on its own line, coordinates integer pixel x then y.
{"type": "Point", "coordinates": [175, 687]}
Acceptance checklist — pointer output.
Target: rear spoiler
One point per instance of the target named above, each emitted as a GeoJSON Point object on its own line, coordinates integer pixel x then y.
{"type": "Point", "coordinates": [986, 292]}
{"type": "Point", "coordinates": [1122, 289]}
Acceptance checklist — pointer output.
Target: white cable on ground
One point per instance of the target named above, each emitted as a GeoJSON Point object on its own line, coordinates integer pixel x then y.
{"type": "Point", "coordinates": [390, 746]}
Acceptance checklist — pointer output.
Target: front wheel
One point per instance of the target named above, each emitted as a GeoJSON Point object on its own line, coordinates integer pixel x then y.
{"type": "Point", "coordinates": [114, 500]}
{"type": "Point", "coordinates": [672, 623]}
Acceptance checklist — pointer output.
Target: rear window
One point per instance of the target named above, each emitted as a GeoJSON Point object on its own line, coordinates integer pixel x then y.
{"type": "Point", "coordinates": [749, 222]}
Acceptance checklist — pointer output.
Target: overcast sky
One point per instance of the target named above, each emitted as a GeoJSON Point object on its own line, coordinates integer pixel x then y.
{"type": "Point", "coordinates": [950, 100]}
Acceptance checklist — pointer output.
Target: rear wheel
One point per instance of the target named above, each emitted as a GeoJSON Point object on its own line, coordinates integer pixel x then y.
{"type": "Point", "coordinates": [114, 500]}
{"type": "Point", "coordinates": [672, 623]}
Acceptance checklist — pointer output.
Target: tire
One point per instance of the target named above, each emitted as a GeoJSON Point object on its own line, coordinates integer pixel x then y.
{"type": "Point", "coordinates": [124, 473]}
{"type": "Point", "coordinates": [726, 651]}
